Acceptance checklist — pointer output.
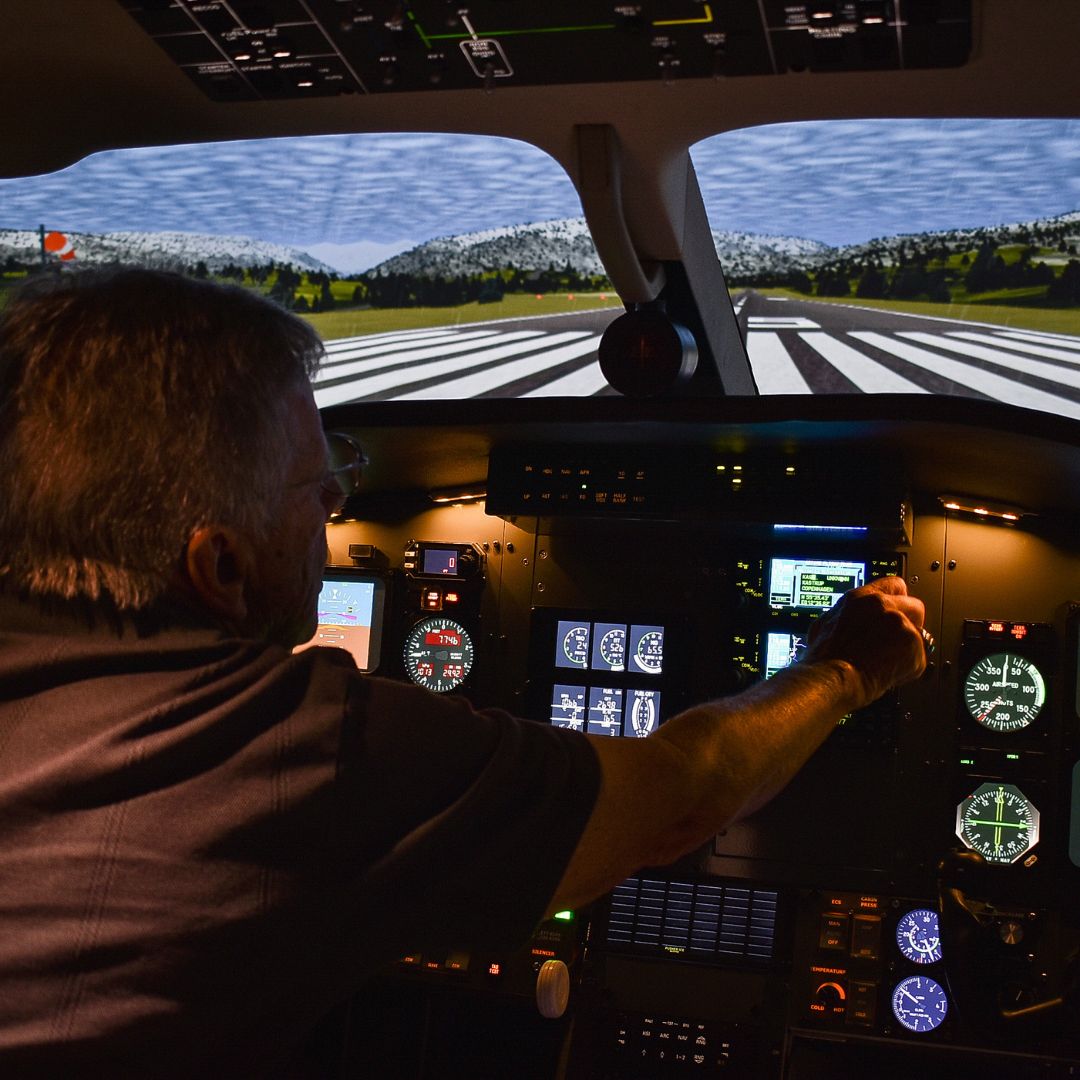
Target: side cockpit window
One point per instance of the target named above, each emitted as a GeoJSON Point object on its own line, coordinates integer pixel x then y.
{"type": "Point", "coordinates": [904, 256]}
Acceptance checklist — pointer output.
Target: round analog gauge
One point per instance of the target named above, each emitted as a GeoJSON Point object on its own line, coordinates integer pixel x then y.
{"type": "Point", "coordinates": [575, 646]}
{"type": "Point", "coordinates": [919, 1003]}
{"type": "Point", "coordinates": [998, 822]}
{"type": "Point", "coordinates": [613, 649]}
{"type": "Point", "coordinates": [438, 654]}
{"type": "Point", "coordinates": [918, 936]}
{"type": "Point", "coordinates": [1004, 692]}
{"type": "Point", "coordinates": [649, 652]}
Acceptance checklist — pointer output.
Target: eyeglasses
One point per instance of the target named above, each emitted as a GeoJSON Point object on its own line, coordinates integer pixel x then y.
{"type": "Point", "coordinates": [345, 460]}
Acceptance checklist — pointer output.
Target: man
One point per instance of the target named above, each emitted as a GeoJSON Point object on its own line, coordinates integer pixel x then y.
{"type": "Point", "coordinates": [206, 841]}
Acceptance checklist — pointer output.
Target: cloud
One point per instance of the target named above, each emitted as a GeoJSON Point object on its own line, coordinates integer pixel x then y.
{"type": "Point", "coordinates": [834, 181]}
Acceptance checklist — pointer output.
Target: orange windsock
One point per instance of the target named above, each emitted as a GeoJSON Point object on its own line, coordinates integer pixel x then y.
{"type": "Point", "coordinates": [56, 243]}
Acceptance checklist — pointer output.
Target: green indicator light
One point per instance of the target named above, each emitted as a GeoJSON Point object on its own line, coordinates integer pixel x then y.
{"type": "Point", "coordinates": [967, 761]}
{"type": "Point", "coordinates": [565, 916]}
{"type": "Point", "coordinates": [1012, 757]}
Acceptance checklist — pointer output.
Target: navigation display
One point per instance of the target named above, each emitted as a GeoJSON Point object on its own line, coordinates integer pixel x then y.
{"type": "Point", "coordinates": [350, 614]}
{"type": "Point", "coordinates": [782, 650]}
{"type": "Point", "coordinates": [813, 584]}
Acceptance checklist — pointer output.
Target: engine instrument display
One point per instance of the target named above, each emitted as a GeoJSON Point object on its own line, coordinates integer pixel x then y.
{"type": "Point", "coordinates": [919, 1003]}
{"type": "Point", "coordinates": [918, 936]}
{"type": "Point", "coordinates": [613, 647]}
{"type": "Point", "coordinates": [999, 822]}
{"type": "Point", "coordinates": [1004, 692]}
{"type": "Point", "coordinates": [438, 654]}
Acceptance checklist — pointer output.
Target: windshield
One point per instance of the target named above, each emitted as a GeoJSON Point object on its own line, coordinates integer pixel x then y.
{"type": "Point", "coordinates": [433, 266]}
{"type": "Point", "coordinates": [904, 256]}
{"type": "Point", "coordinates": [862, 256]}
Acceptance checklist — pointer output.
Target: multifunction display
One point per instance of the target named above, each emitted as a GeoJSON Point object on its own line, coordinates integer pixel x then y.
{"type": "Point", "coordinates": [812, 583]}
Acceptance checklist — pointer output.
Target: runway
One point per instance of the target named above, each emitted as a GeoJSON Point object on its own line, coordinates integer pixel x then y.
{"type": "Point", "coordinates": [795, 347]}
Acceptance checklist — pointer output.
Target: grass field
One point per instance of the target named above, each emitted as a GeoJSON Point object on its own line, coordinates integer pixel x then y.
{"type": "Point", "coordinates": [339, 324]}
{"type": "Point", "coordinates": [1054, 320]}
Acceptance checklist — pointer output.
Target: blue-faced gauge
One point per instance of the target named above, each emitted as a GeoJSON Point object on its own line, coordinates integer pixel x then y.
{"type": "Point", "coordinates": [575, 646]}
{"type": "Point", "coordinates": [919, 1003]}
{"type": "Point", "coordinates": [918, 936]}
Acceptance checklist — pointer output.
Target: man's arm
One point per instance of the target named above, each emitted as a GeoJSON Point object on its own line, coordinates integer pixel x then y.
{"type": "Point", "coordinates": [664, 796]}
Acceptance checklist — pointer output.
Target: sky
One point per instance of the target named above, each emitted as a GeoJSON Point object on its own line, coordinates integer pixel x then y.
{"type": "Point", "coordinates": [354, 200]}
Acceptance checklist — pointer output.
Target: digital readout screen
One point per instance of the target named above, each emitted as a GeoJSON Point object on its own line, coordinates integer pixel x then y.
{"type": "Point", "coordinates": [812, 583]}
{"type": "Point", "coordinates": [350, 614]}
{"type": "Point", "coordinates": [441, 561]}
{"type": "Point", "coordinates": [601, 710]}
{"type": "Point", "coordinates": [781, 650]}
{"type": "Point", "coordinates": [614, 647]}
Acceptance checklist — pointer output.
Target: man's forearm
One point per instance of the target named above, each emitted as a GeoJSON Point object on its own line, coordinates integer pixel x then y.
{"type": "Point", "coordinates": [741, 751]}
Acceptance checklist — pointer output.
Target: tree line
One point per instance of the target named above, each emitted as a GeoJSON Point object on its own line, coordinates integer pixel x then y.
{"type": "Point", "coordinates": [912, 277]}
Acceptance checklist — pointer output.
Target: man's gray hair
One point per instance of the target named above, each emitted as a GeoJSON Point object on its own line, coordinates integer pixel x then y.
{"type": "Point", "coordinates": [135, 407]}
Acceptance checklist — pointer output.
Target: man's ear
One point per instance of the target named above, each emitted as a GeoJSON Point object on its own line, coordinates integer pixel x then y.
{"type": "Point", "coordinates": [219, 561]}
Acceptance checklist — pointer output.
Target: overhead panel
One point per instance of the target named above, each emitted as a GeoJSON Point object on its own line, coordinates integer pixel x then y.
{"type": "Point", "coordinates": [245, 50]}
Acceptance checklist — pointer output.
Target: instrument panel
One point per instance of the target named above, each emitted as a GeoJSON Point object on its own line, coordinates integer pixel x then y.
{"type": "Point", "coordinates": [931, 836]}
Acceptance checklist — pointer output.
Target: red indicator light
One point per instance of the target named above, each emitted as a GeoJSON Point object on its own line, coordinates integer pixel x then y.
{"type": "Point", "coordinates": [451, 597]}
{"type": "Point", "coordinates": [495, 969]}
{"type": "Point", "coordinates": [996, 628]}
{"type": "Point", "coordinates": [1019, 631]}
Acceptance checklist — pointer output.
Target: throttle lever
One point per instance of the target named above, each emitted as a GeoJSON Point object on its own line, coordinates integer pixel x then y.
{"type": "Point", "coordinates": [976, 936]}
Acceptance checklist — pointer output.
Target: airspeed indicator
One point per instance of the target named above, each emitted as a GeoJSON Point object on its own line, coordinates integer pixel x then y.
{"type": "Point", "coordinates": [1004, 692]}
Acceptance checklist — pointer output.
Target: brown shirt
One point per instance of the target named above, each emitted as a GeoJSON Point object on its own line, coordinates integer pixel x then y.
{"type": "Point", "coordinates": [205, 842]}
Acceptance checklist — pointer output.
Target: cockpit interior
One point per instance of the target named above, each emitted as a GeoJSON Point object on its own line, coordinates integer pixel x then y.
{"type": "Point", "coordinates": [627, 471]}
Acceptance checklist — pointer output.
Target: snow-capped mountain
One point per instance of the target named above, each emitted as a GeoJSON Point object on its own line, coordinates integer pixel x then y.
{"type": "Point", "coordinates": [515, 247]}
{"type": "Point", "coordinates": [567, 242]}
{"type": "Point", "coordinates": [163, 250]}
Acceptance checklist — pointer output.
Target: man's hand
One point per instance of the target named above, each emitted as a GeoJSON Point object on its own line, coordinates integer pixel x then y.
{"type": "Point", "coordinates": [876, 630]}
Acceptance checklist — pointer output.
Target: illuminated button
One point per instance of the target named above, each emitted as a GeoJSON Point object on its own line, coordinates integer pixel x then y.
{"type": "Point", "coordinates": [431, 600]}
{"type": "Point", "coordinates": [834, 932]}
{"type": "Point", "coordinates": [866, 937]}
{"type": "Point", "coordinates": [413, 959]}
{"type": "Point", "coordinates": [862, 1003]}
{"type": "Point", "coordinates": [457, 961]}
{"type": "Point", "coordinates": [451, 598]}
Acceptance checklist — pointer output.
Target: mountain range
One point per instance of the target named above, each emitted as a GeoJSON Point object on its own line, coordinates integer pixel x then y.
{"type": "Point", "coordinates": [163, 250]}
{"type": "Point", "coordinates": [536, 247]}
